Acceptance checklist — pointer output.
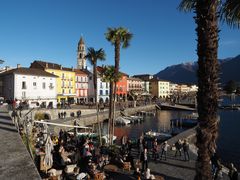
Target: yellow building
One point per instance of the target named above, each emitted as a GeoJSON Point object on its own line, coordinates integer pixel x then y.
{"type": "Point", "coordinates": [66, 90]}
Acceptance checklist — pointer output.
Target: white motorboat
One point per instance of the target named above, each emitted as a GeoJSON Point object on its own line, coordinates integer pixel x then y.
{"type": "Point", "coordinates": [158, 135]}
{"type": "Point", "coordinates": [122, 121]}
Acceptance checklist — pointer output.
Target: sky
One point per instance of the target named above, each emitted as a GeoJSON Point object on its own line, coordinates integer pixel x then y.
{"type": "Point", "coordinates": [49, 30]}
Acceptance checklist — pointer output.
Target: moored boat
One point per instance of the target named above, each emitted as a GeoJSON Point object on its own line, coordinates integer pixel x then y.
{"type": "Point", "coordinates": [158, 135]}
{"type": "Point", "coordinates": [122, 121]}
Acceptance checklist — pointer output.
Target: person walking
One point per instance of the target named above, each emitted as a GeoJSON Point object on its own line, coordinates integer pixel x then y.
{"type": "Point", "coordinates": [144, 159]}
{"type": "Point", "coordinates": [233, 174]}
{"type": "Point", "coordinates": [154, 150]}
{"type": "Point", "coordinates": [178, 146]}
{"type": "Point", "coordinates": [186, 150]}
{"type": "Point", "coordinates": [164, 150]}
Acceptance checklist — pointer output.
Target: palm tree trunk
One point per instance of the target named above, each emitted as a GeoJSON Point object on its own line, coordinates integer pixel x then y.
{"type": "Point", "coordinates": [110, 121]}
{"type": "Point", "coordinates": [207, 96]}
{"type": "Point", "coordinates": [96, 100]}
{"type": "Point", "coordinates": [117, 55]}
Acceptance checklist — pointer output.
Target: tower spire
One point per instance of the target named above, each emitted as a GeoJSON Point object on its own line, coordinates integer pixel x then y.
{"type": "Point", "coordinates": [81, 53]}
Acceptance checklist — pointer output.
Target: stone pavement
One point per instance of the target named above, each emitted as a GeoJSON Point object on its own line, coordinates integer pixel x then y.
{"type": "Point", "coordinates": [15, 162]}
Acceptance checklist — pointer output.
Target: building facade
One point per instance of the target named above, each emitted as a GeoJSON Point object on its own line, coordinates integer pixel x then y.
{"type": "Point", "coordinates": [159, 88]}
{"type": "Point", "coordinates": [145, 81]}
{"type": "Point", "coordinates": [134, 85]}
{"type": "Point", "coordinates": [121, 90]}
{"type": "Point", "coordinates": [66, 88]}
{"type": "Point", "coordinates": [33, 86]}
{"type": "Point", "coordinates": [103, 88]}
{"type": "Point", "coordinates": [81, 86]}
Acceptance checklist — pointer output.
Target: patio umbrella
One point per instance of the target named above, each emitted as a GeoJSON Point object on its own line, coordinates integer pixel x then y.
{"type": "Point", "coordinates": [48, 158]}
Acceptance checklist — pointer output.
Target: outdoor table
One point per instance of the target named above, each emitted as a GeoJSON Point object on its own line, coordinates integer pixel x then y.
{"type": "Point", "coordinates": [111, 168]}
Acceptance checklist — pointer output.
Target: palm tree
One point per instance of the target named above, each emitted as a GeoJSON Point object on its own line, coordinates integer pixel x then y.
{"type": "Point", "coordinates": [93, 56]}
{"type": "Point", "coordinates": [118, 37]}
{"type": "Point", "coordinates": [109, 75]}
{"type": "Point", "coordinates": [230, 12]}
{"type": "Point", "coordinates": [208, 76]}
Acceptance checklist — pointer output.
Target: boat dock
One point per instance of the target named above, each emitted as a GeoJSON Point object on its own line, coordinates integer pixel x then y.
{"type": "Point", "coordinates": [168, 106]}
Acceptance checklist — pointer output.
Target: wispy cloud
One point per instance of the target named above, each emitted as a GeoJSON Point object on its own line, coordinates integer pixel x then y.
{"type": "Point", "coordinates": [228, 42]}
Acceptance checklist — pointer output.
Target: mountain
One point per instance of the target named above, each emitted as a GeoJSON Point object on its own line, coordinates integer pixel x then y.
{"type": "Point", "coordinates": [186, 72]}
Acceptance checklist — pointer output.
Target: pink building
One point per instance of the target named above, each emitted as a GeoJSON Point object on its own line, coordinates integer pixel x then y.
{"type": "Point", "coordinates": [81, 86]}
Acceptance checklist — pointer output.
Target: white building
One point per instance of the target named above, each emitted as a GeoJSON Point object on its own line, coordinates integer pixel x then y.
{"type": "Point", "coordinates": [103, 88]}
{"type": "Point", "coordinates": [33, 86]}
{"type": "Point", "coordinates": [159, 88]}
{"type": "Point", "coordinates": [145, 81]}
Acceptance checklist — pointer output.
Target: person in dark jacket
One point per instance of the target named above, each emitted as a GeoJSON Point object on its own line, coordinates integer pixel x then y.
{"type": "Point", "coordinates": [178, 146]}
{"type": "Point", "coordinates": [186, 150]}
{"type": "Point", "coordinates": [144, 159]}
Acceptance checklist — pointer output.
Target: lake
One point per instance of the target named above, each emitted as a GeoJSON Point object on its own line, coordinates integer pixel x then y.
{"type": "Point", "coordinates": [228, 141]}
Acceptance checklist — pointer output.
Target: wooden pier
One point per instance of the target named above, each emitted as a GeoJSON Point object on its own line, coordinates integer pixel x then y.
{"type": "Point", "coordinates": [168, 106]}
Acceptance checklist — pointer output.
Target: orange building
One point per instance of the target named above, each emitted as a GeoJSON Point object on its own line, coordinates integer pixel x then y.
{"type": "Point", "coordinates": [122, 86]}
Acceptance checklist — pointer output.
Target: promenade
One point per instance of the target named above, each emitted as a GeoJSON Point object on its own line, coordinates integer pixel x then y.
{"type": "Point", "coordinates": [15, 162]}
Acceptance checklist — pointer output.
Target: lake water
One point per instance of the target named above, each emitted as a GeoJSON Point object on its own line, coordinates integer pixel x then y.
{"type": "Point", "coordinates": [228, 141]}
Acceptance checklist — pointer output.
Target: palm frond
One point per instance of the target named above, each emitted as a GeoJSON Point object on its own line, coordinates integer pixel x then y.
{"type": "Point", "coordinates": [109, 75]}
{"type": "Point", "coordinates": [94, 55]}
{"type": "Point", "coordinates": [187, 5]}
{"type": "Point", "coordinates": [230, 13]}
{"type": "Point", "coordinates": [122, 33]}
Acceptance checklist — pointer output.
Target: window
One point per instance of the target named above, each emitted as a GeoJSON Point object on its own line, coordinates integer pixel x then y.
{"type": "Point", "coordinates": [101, 85]}
{"type": "Point", "coordinates": [80, 55]}
{"type": "Point", "coordinates": [63, 91]}
{"type": "Point", "coordinates": [23, 94]}
{"type": "Point", "coordinates": [81, 79]}
{"type": "Point", "coordinates": [44, 85]}
{"type": "Point", "coordinates": [90, 77]}
{"type": "Point", "coordinates": [69, 91]}
{"type": "Point", "coordinates": [51, 86]}
{"type": "Point", "coordinates": [34, 85]}
{"type": "Point", "coordinates": [62, 75]}
{"type": "Point", "coordinates": [106, 92]}
{"type": "Point", "coordinates": [24, 85]}
{"type": "Point", "coordinates": [101, 92]}
{"type": "Point", "coordinates": [106, 85]}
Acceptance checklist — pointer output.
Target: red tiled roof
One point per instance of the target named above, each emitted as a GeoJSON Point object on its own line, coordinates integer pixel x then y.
{"type": "Point", "coordinates": [49, 65]}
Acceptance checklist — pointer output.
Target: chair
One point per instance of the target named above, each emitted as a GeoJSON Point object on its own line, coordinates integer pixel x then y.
{"type": "Point", "coordinates": [98, 176]}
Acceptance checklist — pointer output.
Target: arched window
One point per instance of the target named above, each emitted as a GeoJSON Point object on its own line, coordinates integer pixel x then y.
{"type": "Point", "coordinates": [80, 55]}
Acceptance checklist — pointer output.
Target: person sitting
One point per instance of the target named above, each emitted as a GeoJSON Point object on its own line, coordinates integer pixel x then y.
{"type": "Point", "coordinates": [64, 155]}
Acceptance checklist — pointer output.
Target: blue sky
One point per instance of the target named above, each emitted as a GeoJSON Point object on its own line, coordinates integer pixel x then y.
{"type": "Point", "coordinates": [50, 30]}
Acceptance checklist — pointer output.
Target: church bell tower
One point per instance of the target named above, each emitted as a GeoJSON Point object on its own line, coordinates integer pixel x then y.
{"type": "Point", "coordinates": [81, 53]}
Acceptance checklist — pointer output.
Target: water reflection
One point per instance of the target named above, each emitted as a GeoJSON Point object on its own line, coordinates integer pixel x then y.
{"type": "Point", "coordinates": [228, 141]}
{"type": "Point", "coordinates": [160, 122]}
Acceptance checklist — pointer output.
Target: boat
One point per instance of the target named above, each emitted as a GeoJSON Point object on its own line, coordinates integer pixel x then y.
{"type": "Point", "coordinates": [187, 121]}
{"type": "Point", "coordinates": [122, 121]}
{"type": "Point", "coordinates": [160, 136]}
{"type": "Point", "coordinates": [133, 119]}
